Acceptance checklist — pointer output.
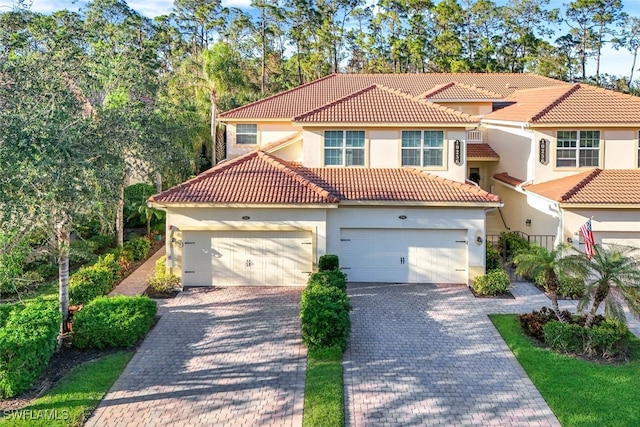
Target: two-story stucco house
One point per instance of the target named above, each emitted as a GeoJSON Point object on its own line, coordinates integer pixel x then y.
{"type": "Point", "coordinates": [403, 176]}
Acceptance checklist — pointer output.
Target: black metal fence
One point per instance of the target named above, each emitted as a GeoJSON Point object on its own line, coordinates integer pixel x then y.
{"type": "Point", "coordinates": [544, 240]}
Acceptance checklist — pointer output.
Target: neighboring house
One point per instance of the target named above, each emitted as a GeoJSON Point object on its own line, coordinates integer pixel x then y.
{"type": "Point", "coordinates": [395, 174]}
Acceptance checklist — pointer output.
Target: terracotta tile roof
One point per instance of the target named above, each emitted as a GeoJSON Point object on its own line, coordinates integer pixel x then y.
{"type": "Point", "coordinates": [595, 187]}
{"type": "Point", "coordinates": [275, 145]}
{"type": "Point", "coordinates": [260, 178]}
{"type": "Point", "coordinates": [254, 178]}
{"type": "Point", "coordinates": [379, 104]}
{"type": "Point", "coordinates": [307, 97]}
{"type": "Point", "coordinates": [481, 152]}
{"type": "Point", "coordinates": [566, 104]}
{"type": "Point", "coordinates": [455, 90]}
{"type": "Point", "coordinates": [508, 179]}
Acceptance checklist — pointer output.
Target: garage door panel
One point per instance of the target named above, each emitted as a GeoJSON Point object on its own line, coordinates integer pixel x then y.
{"type": "Point", "coordinates": [248, 258]}
{"type": "Point", "coordinates": [407, 255]}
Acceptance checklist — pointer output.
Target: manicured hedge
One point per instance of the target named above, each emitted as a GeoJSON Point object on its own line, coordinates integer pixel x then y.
{"type": "Point", "coordinates": [324, 312]}
{"type": "Point", "coordinates": [27, 343]}
{"type": "Point", "coordinates": [492, 258]}
{"type": "Point", "coordinates": [335, 278]}
{"type": "Point", "coordinates": [493, 283]}
{"type": "Point", "coordinates": [113, 322]}
{"type": "Point", "coordinates": [100, 278]}
{"type": "Point", "coordinates": [607, 339]}
{"type": "Point", "coordinates": [328, 262]}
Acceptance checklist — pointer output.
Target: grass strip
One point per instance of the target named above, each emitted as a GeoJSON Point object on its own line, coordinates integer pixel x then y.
{"type": "Point", "coordinates": [579, 392]}
{"type": "Point", "coordinates": [73, 399]}
{"type": "Point", "coordinates": [323, 393]}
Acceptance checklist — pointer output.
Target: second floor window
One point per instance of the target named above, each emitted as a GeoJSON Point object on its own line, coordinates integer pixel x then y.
{"type": "Point", "coordinates": [422, 148]}
{"type": "Point", "coordinates": [247, 134]}
{"type": "Point", "coordinates": [578, 148]}
{"type": "Point", "coordinates": [344, 148]}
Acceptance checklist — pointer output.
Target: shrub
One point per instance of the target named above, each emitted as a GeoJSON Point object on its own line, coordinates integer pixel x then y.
{"type": "Point", "coordinates": [328, 262]}
{"type": "Point", "coordinates": [324, 312]}
{"type": "Point", "coordinates": [139, 247]}
{"type": "Point", "coordinates": [46, 270]}
{"type": "Point", "coordinates": [335, 278]}
{"type": "Point", "coordinates": [101, 242]}
{"type": "Point", "coordinates": [162, 281]}
{"type": "Point", "coordinates": [113, 322]}
{"type": "Point", "coordinates": [5, 312]}
{"type": "Point", "coordinates": [532, 323]}
{"type": "Point", "coordinates": [607, 339]}
{"type": "Point", "coordinates": [27, 343]}
{"type": "Point", "coordinates": [511, 243]}
{"type": "Point", "coordinates": [564, 337]}
{"type": "Point", "coordinates": [493, 283]}
{"type": "Point", "coordinates": [492, 258]}
{"type": "Point", "coordinates": [568, 287]}
{"type": "Point", "coordinates": [133, 196]}
{"type": "Point", "coordinates": [82, 252]}
{"type": "Point", "coordinates": [90, 282]}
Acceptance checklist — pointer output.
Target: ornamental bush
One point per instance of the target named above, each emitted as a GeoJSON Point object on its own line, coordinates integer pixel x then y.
{"type": "Point", "coordinates": [139, 247]}
{"type": "Point", "coordinates": [608, 338]}
{"type": "Point", "coordinates": [161, 281]}
{"type": "Point", "coordinates": [335, 278]}
{"type": "Point", "coordinates": [113, 322]}
{"type": "Point", "coordinates": [493, 283]}
{"type": "Point", "coordinates": [27, 342]}
{"type": "Point", "coordinates": [328, 262]}
{"type": "Point", "coordinates": [511, 243]}
{"type": "Point", "coordinates": [568, 287]}
{"type": "Point", "coordinates": [90, 282]}
{"type": "Point", "coordinates": [492, 258]}
{"type": "Point", "coordinates": [324, 312]}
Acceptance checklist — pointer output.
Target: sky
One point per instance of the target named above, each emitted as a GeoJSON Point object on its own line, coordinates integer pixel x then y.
{"type": "Point", "coordinates": [613, 61]}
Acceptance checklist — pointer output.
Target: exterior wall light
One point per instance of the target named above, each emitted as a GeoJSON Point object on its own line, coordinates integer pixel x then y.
{"type": "Point", "coordinates": [246, 217]}
{"type": "Point", "coordinates": [527, 223]}
{"type": "Point", "coordinates": [402, 217]}
{"type": "Point", "coordinates": [479, 240]}
{"type": "Point", "coordinates": [569, 240]}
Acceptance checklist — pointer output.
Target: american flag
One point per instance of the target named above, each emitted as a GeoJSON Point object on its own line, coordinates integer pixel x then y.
{"type": "Point", "coordinates": [587, 236]}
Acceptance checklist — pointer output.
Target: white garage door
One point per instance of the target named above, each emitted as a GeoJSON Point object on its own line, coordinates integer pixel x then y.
{"type": "Point", "coordinates": [404, 256]}
{"type": "Point", "coordinates": [246, 258]}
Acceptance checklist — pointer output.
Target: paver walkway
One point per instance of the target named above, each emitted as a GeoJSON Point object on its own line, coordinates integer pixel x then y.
{"type": "Point", "coordinates": [136, 283]}
{"type": "Point", "coordinates": [429, 355]}
{"type": "Point", "coordinates": [220, 356]}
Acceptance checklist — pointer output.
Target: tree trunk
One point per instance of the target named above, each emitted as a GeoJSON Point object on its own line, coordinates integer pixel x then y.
{"type": "Point", "coordinates": [600, 295]}
{"type": "Point", "coordinates": [158, 182]}
{"type": "Point", "coordinates": [63, 237]}
{"type": "Point", "coordinates": [264, 48]}
{"type": "Point", "coordinates": [120, 216]}
{"type": "Point", "coordinates": [633, 67]}
{"type": "Point", "coordinates": [552, 288]}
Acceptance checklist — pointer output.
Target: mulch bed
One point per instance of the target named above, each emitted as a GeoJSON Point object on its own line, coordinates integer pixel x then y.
{"type": "Point", "coordinates": [507, 295]}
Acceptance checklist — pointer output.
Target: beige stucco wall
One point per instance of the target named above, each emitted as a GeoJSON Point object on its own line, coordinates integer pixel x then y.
{"type": "Point", "coordinates": [291, 152]}
{"type": "Point", "coordinates": [473, 108]}
{"type": "Point", "coordinates": [607, 225]}
{"type": "Point", "coordinates": [471, 220]}
{"type": "Point", "coordinates": [383, 150]}
{"type": "Point", "coordinates": [513, 145]}
{"type": "Point", "coordinates": [268, 132]}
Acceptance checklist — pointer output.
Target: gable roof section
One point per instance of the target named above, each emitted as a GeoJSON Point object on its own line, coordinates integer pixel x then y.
{"type": "Point", "coordinates": [570, 104]}
{"type": "Point", "coordinates": [594, 187]}
{"type": "Point", "coordinates": [312, 95]}
{"type": "Point", "coordinates": [254, 178]}
{"type": "Point", "coordinates": [481, 152]}
{"type": "Point", "coordinates": [459, 91]}
{"type": "Point", "coordinates": [379, 104]}
{"type": "Point", "coordinates": [260, 178]}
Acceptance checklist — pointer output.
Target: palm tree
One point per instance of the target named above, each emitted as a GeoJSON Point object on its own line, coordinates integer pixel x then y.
{"type": "Point", "coordinates": [536, 261]}
{"type": "Point", "coordinates": [614, 279]}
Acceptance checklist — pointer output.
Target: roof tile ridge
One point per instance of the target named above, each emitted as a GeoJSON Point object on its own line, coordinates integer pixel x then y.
{"type": "Point", "coordinates": [560, 82]}
{"type": "Point", "coordinates": [292, 172]}
{"type": "Point", "coordinates": [480, 89]}
{"type": "Point", "coordinates": [335, 102]}
{"type": "Point", "coordinates": [436, 89]}
{"type": "Point", "coordinates": [572, 89]}
{"type": "Point", "coordinates": [213, 170]}
{"type": "Point", "coordinates": [276, 95]}
{"type": "Point", "coordinates": [580, 185]}
{"type": "Point", "coordinates": [541, 88]}
{"type": "Point", "coordinates": [456, 184]}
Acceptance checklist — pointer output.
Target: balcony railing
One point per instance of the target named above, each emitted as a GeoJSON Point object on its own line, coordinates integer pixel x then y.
{"type": "Point", "coordinates": [474, 136]}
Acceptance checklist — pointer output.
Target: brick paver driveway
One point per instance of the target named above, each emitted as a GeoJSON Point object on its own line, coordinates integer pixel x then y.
{"type": "Point", "coordinates": [429, 355]}
{"type": "Point", "coordinates": [229, 356]}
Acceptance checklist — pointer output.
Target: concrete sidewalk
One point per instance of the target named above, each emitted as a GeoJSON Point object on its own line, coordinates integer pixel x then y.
{"type": "Point", "coordinates": [136, 282]}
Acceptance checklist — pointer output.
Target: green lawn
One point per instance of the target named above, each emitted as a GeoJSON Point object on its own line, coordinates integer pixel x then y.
{"type": "Point", "coordinates": [74, 397]}
{"type": "Point", "coordinates": [323, 393]}
{"type": "Point", "coordinates": [580, 393]}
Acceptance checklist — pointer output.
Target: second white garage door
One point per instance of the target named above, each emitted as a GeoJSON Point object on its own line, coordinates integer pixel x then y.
{"type": "Point", "coordinates": [404, 256]}
{"type": "Point", "coordinates": [246, 258]}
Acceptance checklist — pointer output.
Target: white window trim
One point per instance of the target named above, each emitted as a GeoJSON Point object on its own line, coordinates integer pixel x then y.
{"type": "Point", "coordinates": [422, 148]}
{"type": "Point", "coordinates": [344, 148]}
{"type": "Point", "coordinates": [246, 133]}
{"type": "Point", "coordinates": [578, 149]}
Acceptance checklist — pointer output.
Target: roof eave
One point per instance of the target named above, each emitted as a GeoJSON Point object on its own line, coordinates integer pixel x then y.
{"type": "Point", "coordinates": [486, 204]}
{"type": "Point", "coordinates": [390, 124]}
{"type": "Point", "coordinates": [255, 119]}
{"type": "Point", "coordinates": [170, 205]}
{"type": "Point", "coordinates": [568, 205]}
{"type": "Point", "coordinates": [585, 124]}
